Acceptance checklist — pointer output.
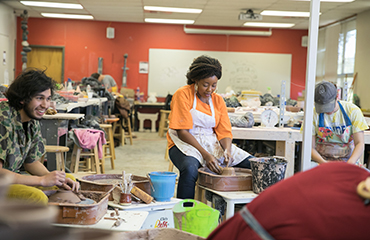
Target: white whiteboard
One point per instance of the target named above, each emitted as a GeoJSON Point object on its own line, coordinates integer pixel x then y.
{"type": "Point", "coordinates": [240, 70]}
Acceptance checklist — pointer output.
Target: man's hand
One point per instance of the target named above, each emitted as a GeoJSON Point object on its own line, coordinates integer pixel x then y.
{"type": "Point", "coordinates": [55, 178]}
{"type": "Point", "coordinates": [70, 184]}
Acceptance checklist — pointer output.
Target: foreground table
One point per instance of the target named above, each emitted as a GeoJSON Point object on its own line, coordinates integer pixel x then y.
{"type": "Point", "coordinates": [133, 221]}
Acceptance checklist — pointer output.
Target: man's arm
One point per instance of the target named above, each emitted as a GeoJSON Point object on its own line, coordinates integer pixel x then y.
{"type": "Point", "coordinates": [42, 176]}
{"type": "Point", "coordinates": [315, 156]}
{"type": "Point", "coordinates": [359, 141]}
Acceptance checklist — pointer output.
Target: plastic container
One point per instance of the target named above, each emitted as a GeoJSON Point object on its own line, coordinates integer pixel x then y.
{"type": "Point", "coordinates": [163, 185]}
{"type": "Point", "coordinates": [267, 171]}
{"type": "Point", "coordinates": [137, 94]}
{"type": "Point", "coordinates": [195, 217]}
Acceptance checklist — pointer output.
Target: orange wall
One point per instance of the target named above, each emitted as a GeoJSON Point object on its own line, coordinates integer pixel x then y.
{"type": "Point", "coordinates": [85, 41]}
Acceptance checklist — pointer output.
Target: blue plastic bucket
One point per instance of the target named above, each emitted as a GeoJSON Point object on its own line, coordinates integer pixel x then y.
{"type": "Point", "coordinates": [163, 185]}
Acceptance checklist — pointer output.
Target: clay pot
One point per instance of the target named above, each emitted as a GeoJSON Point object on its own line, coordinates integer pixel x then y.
{"type": "Point", "coordinates": [64, 196]}
{"type": "Point", "coordinates": [228, 171]}
{"type": "Point", "coordinates": [125, 199]}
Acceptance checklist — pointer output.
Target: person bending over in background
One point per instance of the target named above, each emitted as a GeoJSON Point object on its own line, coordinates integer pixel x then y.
{"type": "Point", "coordinates": [21, 143]}
{"type": "Point", "coordinates": [200, 130]}
{"type": "Point", "coordinates": [325, 202]}
{"type": "Point", "coordinates": [107, 80]}
{"type": "Point", "coordinates": [338, 127]}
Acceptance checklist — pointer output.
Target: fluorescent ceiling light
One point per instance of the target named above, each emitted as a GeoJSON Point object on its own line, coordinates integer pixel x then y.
{"type": "Point", "coordinates": [285, 13]}
{"type": "Point", "coordinates": [175, 21]}
{"type": "Point", "coordinates": [60, 15]}
{"type": "Point", "coordinates": [329, 0]}
{"type": "Point", "coordinates": [226, 32]}
{"type": "Point", "coordinates": [170, 9]}
{"type": "Point", "coordinates": [270, 25]}
{"type": "Point", "coordinates": [52, 4]}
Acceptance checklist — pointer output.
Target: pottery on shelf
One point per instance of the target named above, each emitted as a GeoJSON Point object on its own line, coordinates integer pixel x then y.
{"type": "Point", "coordinates": [64, 196]}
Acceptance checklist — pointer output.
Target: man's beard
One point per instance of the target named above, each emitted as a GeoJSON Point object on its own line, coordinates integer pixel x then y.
{"type": "Point", "coordinates": [30, 112]}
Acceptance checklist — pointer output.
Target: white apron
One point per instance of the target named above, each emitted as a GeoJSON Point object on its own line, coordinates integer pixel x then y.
{"type": "Point", "coordinates": [202, 131]}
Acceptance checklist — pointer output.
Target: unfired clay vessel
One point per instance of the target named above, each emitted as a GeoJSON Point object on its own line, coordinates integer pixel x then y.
{"type": "Point", "coordinates": [64, 196]}
{"type": "Point", "coordinates": [228, 171]}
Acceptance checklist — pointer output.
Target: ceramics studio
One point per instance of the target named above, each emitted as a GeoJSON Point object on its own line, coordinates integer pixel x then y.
{"type": "Point", "coordinates": [158, 120]}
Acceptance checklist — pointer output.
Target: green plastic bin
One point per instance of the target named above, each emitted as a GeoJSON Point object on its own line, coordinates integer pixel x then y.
{"type": "Point", "coordinates": [195, 217]}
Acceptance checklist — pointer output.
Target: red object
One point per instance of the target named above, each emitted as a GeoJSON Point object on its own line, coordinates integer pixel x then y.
{"type": "Point", "coordinates": [321, 203]}
{"type": "Point", "coordinates": [125, 198]}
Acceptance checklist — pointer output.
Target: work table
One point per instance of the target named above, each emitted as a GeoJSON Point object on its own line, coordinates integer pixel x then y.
{"type": "Point", "coordinates": [285, 141]}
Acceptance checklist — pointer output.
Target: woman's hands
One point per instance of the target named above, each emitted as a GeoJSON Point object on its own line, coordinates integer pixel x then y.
{"type": "Point", "coordinates": [228, 157]}
{"type": "Point", "coordinates": [212, 163]}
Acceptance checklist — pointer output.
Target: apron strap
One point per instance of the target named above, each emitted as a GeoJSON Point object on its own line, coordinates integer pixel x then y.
{"type": "Point", "coordinates": [254, 224]}
{"type": "Point", "coordinates": [346, 118]}
{"type": "Point", "coordinates": [345, 115]}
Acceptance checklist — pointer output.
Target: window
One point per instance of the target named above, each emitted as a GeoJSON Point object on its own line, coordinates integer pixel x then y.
{"type": "Point", "coordinates": [346, 58]}
{"type": "Point", "coordinates": [336, 55]}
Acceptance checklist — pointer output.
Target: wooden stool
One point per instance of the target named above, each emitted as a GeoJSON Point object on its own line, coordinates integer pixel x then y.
{"type": "Point", "coordinates": [119, 130]}
{"type": "Point", "coordinates": [92, 165]}
{"type": "Point", "coordinates": [59, 151]}
{"type": "Point", "coordinates": [163, 122]}
{"type": "Point", "coordinates": [170, 163]}
{"type": "Point", "coordinates": [110, 144]}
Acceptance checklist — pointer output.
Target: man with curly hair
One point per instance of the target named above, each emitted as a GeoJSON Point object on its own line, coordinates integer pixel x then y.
{"type": "Point", "coordinates": [21, 143]}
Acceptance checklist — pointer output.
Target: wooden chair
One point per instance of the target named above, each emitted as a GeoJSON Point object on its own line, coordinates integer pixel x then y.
{"type": "Point", "coordinates": [59, 152]}
{"type": "Point", "coordinates": [120, 132]}
{"type": "Point", "coordinates": [163, 122]}
{"type": "Point", "coordinates": [91, 164]}
{"type": "Point", "coordinates": [109, 145]}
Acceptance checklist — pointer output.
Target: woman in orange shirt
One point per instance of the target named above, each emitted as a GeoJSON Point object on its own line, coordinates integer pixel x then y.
{"type": "Point", "coordinates": [200, 130]}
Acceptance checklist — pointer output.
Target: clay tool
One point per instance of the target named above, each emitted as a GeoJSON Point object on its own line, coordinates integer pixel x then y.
{"type": "Point", "coordinates": [137, 192]}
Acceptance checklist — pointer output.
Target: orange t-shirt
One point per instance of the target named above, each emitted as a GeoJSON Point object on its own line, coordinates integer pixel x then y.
{"type": "Point", "coordinates": [180, 116]}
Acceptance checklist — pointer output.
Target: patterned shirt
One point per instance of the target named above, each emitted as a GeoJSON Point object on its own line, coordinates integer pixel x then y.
{"type": "Point", "coordinates": [18, 146]}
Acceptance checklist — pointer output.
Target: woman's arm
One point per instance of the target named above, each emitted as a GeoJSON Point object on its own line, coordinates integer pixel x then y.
{"type": "Point", "coordinates": [211, 162]}
{"type": "Point", "coordinates": [314, 154]}
{"type": "Point", "coordinates": [226, 145]}
{"type": "Point", "coordinates": [359, 141]}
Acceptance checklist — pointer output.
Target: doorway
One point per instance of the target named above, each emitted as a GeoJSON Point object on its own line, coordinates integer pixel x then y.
{"type": "Point", "coordinates": [50, 58]}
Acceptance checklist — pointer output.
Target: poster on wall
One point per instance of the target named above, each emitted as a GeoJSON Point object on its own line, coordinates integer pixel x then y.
{"type": "Point", "coordinates": [143, 67]}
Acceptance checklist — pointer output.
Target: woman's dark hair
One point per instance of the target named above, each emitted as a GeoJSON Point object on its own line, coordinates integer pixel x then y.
{"type": "Point", "coordinates": [203, 67]}
{"type": "Point", "coordinates": [95, 75]}
{"type": "Point", "coordinates": [29, 83]}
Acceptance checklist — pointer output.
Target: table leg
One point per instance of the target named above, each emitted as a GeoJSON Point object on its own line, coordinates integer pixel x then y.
{"type": "Point", "coordinates": [286, 149]}
{"type": "Point", "coordinates": [230, 208]}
